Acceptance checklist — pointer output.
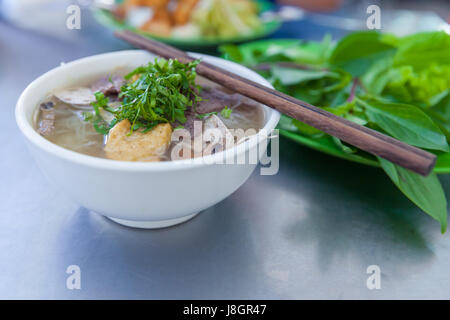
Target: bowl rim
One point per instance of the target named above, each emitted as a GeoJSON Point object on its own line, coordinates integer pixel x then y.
{"type": "Point", "coordinates": [32, 136]}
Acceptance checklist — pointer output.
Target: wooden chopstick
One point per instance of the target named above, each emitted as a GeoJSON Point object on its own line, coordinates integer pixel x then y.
{"type": "Point", "coordinates": [369, 140]}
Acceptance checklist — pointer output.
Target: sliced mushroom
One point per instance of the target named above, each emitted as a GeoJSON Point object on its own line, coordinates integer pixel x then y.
{"type": "Point", "coordinates": [216, 136]}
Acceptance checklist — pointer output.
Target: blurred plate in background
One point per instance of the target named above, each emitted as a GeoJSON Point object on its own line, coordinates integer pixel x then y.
{"type": "Point", "coordinates": [268, 27]}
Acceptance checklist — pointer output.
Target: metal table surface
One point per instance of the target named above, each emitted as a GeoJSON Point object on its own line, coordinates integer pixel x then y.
{"type": "Point", "coordinates": [310, 231]}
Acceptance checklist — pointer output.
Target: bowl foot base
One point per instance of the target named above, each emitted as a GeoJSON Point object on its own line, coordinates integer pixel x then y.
{"type": "Point", "coordinates": [153, 224]}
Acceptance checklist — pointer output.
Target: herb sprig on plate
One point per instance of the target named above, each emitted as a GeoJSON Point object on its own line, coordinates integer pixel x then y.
{"type": "Point", "coordinates": [398, 86]}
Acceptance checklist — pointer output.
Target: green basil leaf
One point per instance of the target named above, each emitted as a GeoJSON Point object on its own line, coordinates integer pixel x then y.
{"type": "Point", "coordinates": [377, 76]}
{"type": "Point", "coordinates": [306, 129]}
{"type": "Point", "coordinates": [285, 123]}
{"type": "Point", "coordinates": [256, 52]}
{"type": "Point", "coordinates": [441, 104]}
{"type": "Point", "coordinates": [289, 76]}
{"type": "Point", "coordinates": [423, 49]}
{"type": "Point", "coordinates": [425, 192]}
{"type": "Point", "coordinates": [300, 52]}
{"type": "Point", "coordinates": [356, 52]}
{"type": "Point", "coordinates": [440, 112]}
{"type": "Point", "coordinates": [346, 149]}
{"type": "Point", "coordinates": [232, 52]}
{"type": "Point", "coordinates": [407, 123]}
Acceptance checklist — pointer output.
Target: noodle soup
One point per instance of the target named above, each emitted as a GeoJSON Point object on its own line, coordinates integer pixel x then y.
{"type": "Point", "coordinates": [135, 117]}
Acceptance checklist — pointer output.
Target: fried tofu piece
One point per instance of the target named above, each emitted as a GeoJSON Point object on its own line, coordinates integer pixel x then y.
{"type": "Point", "coordinates": [182, 12]}
{"type": "Point", "coordinates": [145, 3]}
{"type": "Point", "coordinates": [159, 24]}
{"type": "Point", "coordinates": [131, 3]}
{"type": "Point", "coordinates": [122, 10]}
{"type": "Point", "coordinates": [138, 146]}
{"type": "Point", "coordinates": [154, 3]}
{"type": "Point", "coordinates": [120, 13]}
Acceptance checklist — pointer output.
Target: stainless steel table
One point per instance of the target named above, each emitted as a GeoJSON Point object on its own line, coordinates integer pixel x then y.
{"type": "Point", "coordinates": [310, 231]}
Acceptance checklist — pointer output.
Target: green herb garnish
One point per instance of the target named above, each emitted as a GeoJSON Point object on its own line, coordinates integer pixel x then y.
{"type": "Point", "coordinates": [226, 112]}
{"type": "Point", "coordinates": [87, 116]}
{"type": "Point", "coordinates": [204, 115]}
{"type": "Point", "coordinates": [161, 94]}
{"type": "Point", "coordinates": [100, 125]}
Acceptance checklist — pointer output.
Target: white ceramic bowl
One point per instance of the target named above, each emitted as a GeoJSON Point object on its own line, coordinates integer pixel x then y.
{"type": "Point", "coordinates": [145, 195]}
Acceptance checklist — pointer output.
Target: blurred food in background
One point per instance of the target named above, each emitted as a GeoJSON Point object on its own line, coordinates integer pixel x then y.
{"type": "Point", "coordinates": [314, 5]}
{"type": "Point", "coordinates": [200, 25]}
{"type": "Point", "coordinates": [191, 18]}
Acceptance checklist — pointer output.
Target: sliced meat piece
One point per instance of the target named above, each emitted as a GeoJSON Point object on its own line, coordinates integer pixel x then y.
{"type": "Point", "coordinates": [46, 118]}
{"type": "Point", "coordinates": [208, 136]}
{"type": "Point", "coordinates": [189, 124]}
{"type": "Point", "coordinates": [138, 146]}
{"type": "Point", "coordinates": [214, 130]}
{"type": "Point", "coordinates": [76, 96]}
{"type": "Point", "coordinates": [108, 85]}
{"type": "Point", "coordinates": [216, 100]}
{"type": "Point", "coordinates": [196, 126]}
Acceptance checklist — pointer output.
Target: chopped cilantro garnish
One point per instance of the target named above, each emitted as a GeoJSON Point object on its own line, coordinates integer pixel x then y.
{"type": "Point", "coordinates": [161, 94]}
{"type": "Point", "coordinates": [226, 112]}
{"type": "Point", "coordinates": [205, 115]}
{"type": "Point", "coordinates": [100, 125]}
{"type": "Point", "coordinates": [87, 116]}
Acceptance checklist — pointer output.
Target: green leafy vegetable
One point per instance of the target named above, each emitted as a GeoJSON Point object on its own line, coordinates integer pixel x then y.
{"type": "Point", "coordinates": [425, 192]}
{"type": "Point", "coordinates": [424, 49]}
{"type": "Point", "coordinates": [407, 123]}
{"type": "Point", "coordinates": [100, 125]}
{"type": "Point", "coordinates": [162, 93]}
{"type": "Point", "coordinates": [358, 51]}
{"type": "Point", "coordinates": [88, 116]}
{"type": "Point", "coordinates": [289, 76]}
{"type": "Point", "coordinates": [398, 86]}
{"type": "Point", "coordinates": [205, 115]}
{"type": "Point", "coordinates": [226, 112]}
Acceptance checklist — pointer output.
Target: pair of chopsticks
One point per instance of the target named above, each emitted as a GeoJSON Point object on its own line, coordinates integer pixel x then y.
{"type": "Point", "coordinates": [369, 140]}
